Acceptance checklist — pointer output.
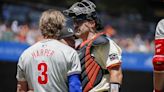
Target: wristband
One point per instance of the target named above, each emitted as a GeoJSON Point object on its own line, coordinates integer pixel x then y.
{"type": "Point", "coordinates": [115, 87]}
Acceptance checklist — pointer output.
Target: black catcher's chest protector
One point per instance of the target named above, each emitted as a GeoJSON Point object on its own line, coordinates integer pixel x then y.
{"type": "Point", "coordinates": [92, 72]}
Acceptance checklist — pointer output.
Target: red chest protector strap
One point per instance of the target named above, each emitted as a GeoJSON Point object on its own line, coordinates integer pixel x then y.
{"type": "Point", "coordinates": [91, 71]}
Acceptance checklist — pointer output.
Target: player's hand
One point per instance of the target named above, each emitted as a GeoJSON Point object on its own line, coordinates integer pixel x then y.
{"type": "Point", "coordinates": [19, 88]}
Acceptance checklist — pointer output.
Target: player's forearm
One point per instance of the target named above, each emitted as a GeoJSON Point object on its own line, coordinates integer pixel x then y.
{"type": "Point", "coordinates": [159, 81]}
{"type": "Point", "coordinates": [116, 75]}
{"type": "Point", "coordinates": [115, 79]}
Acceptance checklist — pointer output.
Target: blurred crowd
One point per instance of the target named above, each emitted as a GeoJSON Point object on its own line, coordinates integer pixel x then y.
{"type": "Point", "coordinates": [19, 33]}
{"type": "Point", "coordinates": [131, 43]}
{"type": "Point", "coordinates": [128, 29]}
{"type": "Point", "coordinates": [135, 44]}
{"type": "Point", "coordinates": [31, 34]}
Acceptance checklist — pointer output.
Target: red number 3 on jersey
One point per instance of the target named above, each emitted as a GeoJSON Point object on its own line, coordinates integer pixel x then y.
{"type": "Point", "coordinates": [43, 78]}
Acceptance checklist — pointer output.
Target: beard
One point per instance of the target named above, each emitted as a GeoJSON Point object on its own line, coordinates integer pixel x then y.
{"type": "Point", "coordinates": [81, 32]}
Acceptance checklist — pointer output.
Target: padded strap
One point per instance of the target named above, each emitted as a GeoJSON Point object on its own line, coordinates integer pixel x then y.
{"type": "Point", "coordinates": [100, 40]}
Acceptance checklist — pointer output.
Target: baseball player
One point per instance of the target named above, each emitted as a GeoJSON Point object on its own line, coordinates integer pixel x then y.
{"type": "Point", "coordinates": [100, 56]}
{"type": "Point", "coordinates": [158, 59]}
{"type": "Point", "coordinates": [49, 65]}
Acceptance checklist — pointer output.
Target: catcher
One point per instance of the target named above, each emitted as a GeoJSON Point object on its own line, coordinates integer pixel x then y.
{"type": "Point", "coordinates": [100, 56]}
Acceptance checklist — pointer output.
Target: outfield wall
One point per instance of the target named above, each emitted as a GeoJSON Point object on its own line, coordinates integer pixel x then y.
{"type": "Point", "coordinates": [137, 69]}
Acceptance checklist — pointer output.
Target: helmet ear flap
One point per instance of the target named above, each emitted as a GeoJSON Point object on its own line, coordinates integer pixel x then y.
{"type": "Point", "coordinates": [66, 12]}
{"type": "Point", "coordinates": [99, 25]}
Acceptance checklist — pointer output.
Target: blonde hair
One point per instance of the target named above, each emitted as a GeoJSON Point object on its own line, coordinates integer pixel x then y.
{"type": "Point", "coordinates": [51, 22]}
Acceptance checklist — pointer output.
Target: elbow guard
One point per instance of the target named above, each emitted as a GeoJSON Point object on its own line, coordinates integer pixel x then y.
{"type": "Point", "coordinates": [158, 62]}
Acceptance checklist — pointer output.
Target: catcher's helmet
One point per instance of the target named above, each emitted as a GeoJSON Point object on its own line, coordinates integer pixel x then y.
{"type": "Point", "coordinates": [84, 10]}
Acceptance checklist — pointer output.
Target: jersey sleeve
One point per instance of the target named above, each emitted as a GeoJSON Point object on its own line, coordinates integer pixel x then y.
{"type": "Point", "coordinates": [114, 55]}
{"type": "Point", "coordinates": [75, 67]}
{"type": "Point", "coordinates": [20, 70]}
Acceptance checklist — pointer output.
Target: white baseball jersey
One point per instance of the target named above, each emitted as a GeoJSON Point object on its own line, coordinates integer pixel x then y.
{"type": "Point", "coordinates": [46, 65]}
{"type": "Point", "coordinates": [106, 55]}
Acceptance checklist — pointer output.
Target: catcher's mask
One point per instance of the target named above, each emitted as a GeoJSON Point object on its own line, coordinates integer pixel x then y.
{"type": "Point", "coordinates": [84, 10]}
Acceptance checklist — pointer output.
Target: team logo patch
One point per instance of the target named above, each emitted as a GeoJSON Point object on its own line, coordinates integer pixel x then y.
{"type": "Point", "coordinates": [70, 30]}
{"type": "Point", "coordinates": [113, 56]}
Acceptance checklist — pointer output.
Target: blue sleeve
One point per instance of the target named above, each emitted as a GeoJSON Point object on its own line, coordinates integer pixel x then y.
{"type": "Point", "coordinates": [74, 83]}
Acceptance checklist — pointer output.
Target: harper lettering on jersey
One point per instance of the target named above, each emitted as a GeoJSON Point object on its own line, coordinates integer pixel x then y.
{"type": "Point", "coordinates": [43, 52]}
